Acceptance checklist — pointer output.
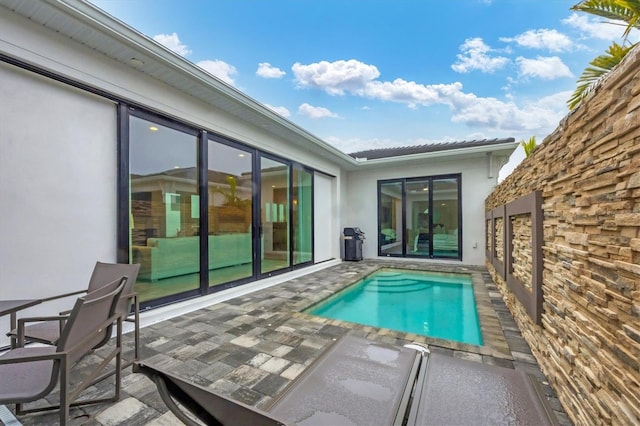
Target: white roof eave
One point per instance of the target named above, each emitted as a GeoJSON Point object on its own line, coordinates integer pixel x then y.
{"type": "Point", "coordinates": [505, 149]}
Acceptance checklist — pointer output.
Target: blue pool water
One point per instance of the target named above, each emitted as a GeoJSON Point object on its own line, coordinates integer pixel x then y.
{"type": "Point", "coordinates": [425, 303]}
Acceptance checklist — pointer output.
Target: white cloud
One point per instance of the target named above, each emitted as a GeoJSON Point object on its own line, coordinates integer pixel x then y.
{"type": "Point", "coordinates": [172, 42]}
{"type": "Point", "coordinates": [551, 40]}
{"type": "Point", "coordinates": [491, 114]}
{"type": "Point", "coordinates": [266, 70]}
{"type": "Point", "coordinates": [279, 110]}
{"type": "Point", "coordinates": [475, 56]}
{"type": "Point", "coordinates": [335, 77]}
{"type": "Point", "coordinates": [598, 28]}
{"type": "Point", "coordinates": [410, 92]}
{"type": "Point", "coordinates": [546, 68]}
{"type": "Point", "coordinates": [540, 117]}
{"type": "Point", "coordinates": [220, 69]}
{"type": "Point", "coordinates": [315, 112]}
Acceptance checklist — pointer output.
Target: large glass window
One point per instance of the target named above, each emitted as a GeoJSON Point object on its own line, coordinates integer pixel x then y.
{"type": "Point", "coordinates": [230, 192]}
{"type": "Point", "coordinates": [164, 208]}
{"type": "Point", "coordinates": [274, 214]}
{"type": "Point", "coordinates": [206, 213]}
{"type": "Point", "coordinates": [301, 216]}
{"type": "Point", "coordinates": [420, 217]}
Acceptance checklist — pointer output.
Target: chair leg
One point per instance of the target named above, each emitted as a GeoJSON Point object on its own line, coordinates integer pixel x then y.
{"type": "Point", "coordinates": [118, 360]}
{"type": "Point", "coordinates": [136, 328]}
{"type": "Point", "coordinates": [64, 392]}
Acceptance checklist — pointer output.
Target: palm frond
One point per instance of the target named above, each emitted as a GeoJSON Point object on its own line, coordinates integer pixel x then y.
{"type": "Point", "coordinates": [627, 11]}
{"type": "Point", "coordinates": [600, 66]}
{"type": "Point", "coordinates": [529, 145]}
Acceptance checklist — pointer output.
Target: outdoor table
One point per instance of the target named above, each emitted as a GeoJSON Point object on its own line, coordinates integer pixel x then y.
{"type": "Point", "coordinates": [11, 307]}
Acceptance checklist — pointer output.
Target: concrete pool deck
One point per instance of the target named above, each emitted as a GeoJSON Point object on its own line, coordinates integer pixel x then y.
{"type": "Point", "coordinates": [250, 347]}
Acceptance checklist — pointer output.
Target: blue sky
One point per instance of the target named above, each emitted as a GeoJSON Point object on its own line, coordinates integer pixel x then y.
{"type": "Point", "coordinates": [368, 74]}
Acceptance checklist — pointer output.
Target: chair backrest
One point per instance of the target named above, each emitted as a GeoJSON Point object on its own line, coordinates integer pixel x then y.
{"type": "Point", "coordinates": [105, 273]}
{"type": "Point", "coordinates": [90, 321]}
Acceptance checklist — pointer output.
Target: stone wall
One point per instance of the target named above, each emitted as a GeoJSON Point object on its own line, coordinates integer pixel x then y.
{"type": "Point", "coordinates": [522, 252]}
{"type": "Point", "coordinates": [588, 170]}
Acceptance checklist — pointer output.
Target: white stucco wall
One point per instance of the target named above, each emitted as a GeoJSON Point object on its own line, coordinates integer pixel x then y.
{"type": "Point", "coordinates": [58, 159]}
{"type": "Point", "coordinates": [361, 204]}
{"type": "Point", "coordinates": [57, 186]}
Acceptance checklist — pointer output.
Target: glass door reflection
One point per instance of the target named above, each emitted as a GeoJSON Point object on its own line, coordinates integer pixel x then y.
{"type": "Point", "coordinates": [230, 218]}
{"type": "Point", "coordinates": [417, 211]}
{"type": "Point", "coordinates": [391, 229]}
{"type": "Point", "coordinates": [274, 215]}
{"type": "Point", "coordinates": [164, 216]}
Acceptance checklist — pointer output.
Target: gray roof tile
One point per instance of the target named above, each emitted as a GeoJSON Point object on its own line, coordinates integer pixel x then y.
{"type": "Point", "coordinates": [372, 154]}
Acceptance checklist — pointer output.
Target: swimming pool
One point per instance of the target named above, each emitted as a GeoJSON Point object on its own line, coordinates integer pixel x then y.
{"type": "Point", "coordinates": [440, 305]}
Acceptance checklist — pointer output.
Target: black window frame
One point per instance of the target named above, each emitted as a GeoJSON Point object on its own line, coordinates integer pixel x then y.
{"type": "Point", "coordinates": [430, 179]}
{"type": "Point", "coordinates": [124, 112]}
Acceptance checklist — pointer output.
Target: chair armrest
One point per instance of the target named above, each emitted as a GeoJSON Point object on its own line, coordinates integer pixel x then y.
{"type": "Point", "coordinates": [16, 356]}
{"type": "Point", "coordinates": [23, 321]}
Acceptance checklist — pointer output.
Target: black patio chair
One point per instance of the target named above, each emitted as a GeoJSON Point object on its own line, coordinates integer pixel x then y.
{"type": "Point", "coordinates": [103, 273]}
{"type": "Point", "coordinates": [31, 373]}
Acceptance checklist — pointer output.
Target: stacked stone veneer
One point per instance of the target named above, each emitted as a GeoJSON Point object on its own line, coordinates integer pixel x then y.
{"type": "Point", "coordinates": [588, 170]}
{"type": "Point", "coordinates": [499, 249]}
{"type": "Point", "coordinates": [522, 253]}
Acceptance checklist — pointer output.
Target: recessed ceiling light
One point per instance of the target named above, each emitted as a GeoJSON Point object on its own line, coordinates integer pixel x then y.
{"type": "Point", "coordinates": [176, 167]}
{"type": "Point", "coordinates": [425, 189]}
{"type": "Point", "coordinates": [241, 155]}
{"type": "Point", "coordinates": [153, 128]}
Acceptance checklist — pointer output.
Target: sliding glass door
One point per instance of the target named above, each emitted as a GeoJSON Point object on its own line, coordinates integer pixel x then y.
{"type": "Point", "coordinates": [230, 213]}
{"type": "Point", "coordinates": [420, 217]}
{"type": "Point", "coordinates": [164, 208]}
{"type": "Point", "coordinates": [390, 218]}
{"type": "Point", "coordinates": [446, 217]}
{"type": "Point", "coordinates": [302, 216]}
{"type": "Point", "coordinates": [201, 213]}
{"type": "Point", "coordinates": [274, 215]}
{"type": "Point", "coordinates": [417, 223]}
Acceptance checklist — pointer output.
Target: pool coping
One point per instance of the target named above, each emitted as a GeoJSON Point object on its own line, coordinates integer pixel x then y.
{"type": "Point", "coordinates": [494, 340]}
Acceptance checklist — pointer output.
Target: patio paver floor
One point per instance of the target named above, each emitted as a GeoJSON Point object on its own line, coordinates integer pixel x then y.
{"type": "Point", "coordinates": [250, 347]}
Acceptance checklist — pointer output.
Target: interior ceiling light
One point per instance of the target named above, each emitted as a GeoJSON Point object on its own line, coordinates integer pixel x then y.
{"type": "Point", "coordinates": [176, 167]}
{"type": "Point", "coordinates": [153, 128]}
{"type": "Point", "coordinates": [241, 155]}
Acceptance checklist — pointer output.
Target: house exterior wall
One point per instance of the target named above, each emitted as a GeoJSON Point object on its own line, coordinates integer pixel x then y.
{"type": "Point", "coordinates": [57, 185]}
{"type": "Point", "coordinates": [588, 171]}
{"type": "Point", "coordinates": [361, 202]}
{"type": "Point", "coordinates": [58, 161]}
